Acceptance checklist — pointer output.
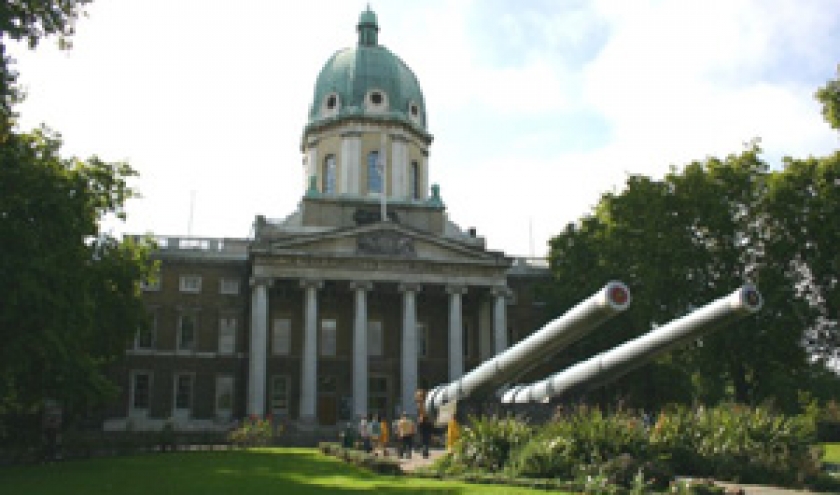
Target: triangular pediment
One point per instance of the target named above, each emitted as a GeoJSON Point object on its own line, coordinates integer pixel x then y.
{"type": "Point", "coordinates": [384, 240]}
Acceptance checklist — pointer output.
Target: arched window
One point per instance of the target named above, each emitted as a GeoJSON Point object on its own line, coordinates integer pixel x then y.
{"type": "Point", "coordinates": [328, 177]}
{"type": "Point", "coordinates": [415, 180]}
{"type": "Point", "coordinates": [374, 173]}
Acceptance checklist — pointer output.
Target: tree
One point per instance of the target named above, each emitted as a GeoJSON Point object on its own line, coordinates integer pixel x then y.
{"type": "Point", "coordinates": [803, 205]}
{"type": "Point", "coordinates": [70, 291]}
{"type": "Point", "coordinates": [679, 243]}
{"type": "Point", "coordinates": [829, 97]}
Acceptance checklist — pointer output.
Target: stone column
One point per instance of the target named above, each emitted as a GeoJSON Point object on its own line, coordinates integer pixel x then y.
{"type": "Point", "coordinates": [258, 347]}
{"type": "Point", "coordinates": [360, 350]}
{"type": "Point", "coordinates": [409, 346]}
{"type": "Point", "coordinates": [309, 361]}
{"type": "Point", "coordinates": [501, 295]}
{"type": "Point", "coordinates": [456, 332]}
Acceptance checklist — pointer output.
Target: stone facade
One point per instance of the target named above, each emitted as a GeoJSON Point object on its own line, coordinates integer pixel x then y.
{"type": "Point", "coordinates": [242, 268]}
{"type": "Point", "coordinates": [346, 306]}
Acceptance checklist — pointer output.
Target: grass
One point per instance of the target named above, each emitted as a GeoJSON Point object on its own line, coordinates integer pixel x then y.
{"type": "Point", "coordinates": [832, 453]}
{"type": "Point", "coordinates": [256, 471]}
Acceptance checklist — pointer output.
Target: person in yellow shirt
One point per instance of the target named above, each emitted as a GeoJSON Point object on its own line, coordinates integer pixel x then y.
{"type": "Point", "coordinates": [384, 436]}
{"type": "Point", "coordinates": [453, 432]}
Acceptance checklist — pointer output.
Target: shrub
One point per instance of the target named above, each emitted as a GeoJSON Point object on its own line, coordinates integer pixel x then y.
{"type": "Point", "coordinates": [736, 442]}
{"type": "Point", "coordinates": [586, 438]}
{"type": "Point", "coordinates": [486, 443]}
{"type": "Point", "coordinates": [253, 432]}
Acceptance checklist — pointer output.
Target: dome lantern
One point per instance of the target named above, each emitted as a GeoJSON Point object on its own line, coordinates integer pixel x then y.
{"type": "Point", "coordinates": [367, 28]}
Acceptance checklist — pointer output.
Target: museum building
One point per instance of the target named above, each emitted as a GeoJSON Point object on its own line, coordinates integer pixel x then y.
{"type": "Point", "coordinates": [366, 292]}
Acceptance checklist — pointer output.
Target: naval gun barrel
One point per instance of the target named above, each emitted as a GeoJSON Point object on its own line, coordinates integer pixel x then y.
{"type": "Point", "coordinates": [611, 364]}
{"type": "Point", "coordinates": [520, 358]}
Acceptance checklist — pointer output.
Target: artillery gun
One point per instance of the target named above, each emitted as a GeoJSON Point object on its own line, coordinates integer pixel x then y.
{"type": "Point", "coordinates": [603, 368]}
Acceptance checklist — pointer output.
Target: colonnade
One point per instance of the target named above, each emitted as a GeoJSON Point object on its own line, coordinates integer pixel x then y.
{"type": "Point", "coordinates": [309, 359]}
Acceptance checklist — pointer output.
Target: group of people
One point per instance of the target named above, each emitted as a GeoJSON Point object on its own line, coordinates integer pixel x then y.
{"type": "Point", "coordinates": [374, 433]}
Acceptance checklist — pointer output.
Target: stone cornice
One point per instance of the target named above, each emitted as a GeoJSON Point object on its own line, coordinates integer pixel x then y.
{"type": "Point", "coordinates": [380, 270]}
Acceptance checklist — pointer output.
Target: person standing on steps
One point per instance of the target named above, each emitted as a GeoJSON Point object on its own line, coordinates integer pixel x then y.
{"type": "Point", "coordinates": [424, 426]}
{"type": "Point", "coordinates": [364, 433]}
{"type": "Point", "coordinates": [375, 432]}
{"type": "Point", "coordinates": [405, 432]}
{"type": "Point", "coordinates": [384, 435]}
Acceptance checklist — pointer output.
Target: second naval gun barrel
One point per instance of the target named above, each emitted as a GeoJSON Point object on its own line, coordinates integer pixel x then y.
{"type": "Point", "coordinates": [616, 362]}
{"type": "Point", "coordinates": [520, 358]}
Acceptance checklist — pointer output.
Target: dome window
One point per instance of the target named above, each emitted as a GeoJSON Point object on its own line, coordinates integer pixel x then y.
{"type": "Point", "coordinates": [330, 105]}
{"type": "Point", "coordinates": [414, 113]}
{"type": "Point", "coordinates": [376, 101]}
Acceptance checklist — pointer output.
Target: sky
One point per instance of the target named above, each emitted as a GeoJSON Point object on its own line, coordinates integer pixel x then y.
{"type": "Point", "coordinates": [536, 108]}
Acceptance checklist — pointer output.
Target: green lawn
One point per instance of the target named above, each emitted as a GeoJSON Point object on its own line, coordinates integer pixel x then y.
{"type": "Point", "coordinates": [832, 452]}
{"type": "Point", "coordinates": [277, 471]}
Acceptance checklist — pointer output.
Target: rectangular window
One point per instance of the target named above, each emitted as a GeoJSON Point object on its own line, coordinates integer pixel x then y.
{"type": "Point", "coordinates": [280, 392]}
{"type": "Point", "coordinates": [229, 286]}
{"type": "Point", "coordinates": [415, 180]}
{"type": "Point", "coordinates": [281, 337]}
{"type": "Point", "coordinates": [187, 329]}
{"type": "Point", "coordinates": [327, 384]}
{"type": "Point", "coordinates": [224, 396]}
{"type": "Point", "coordinates": [374, 171]}
{"type": "Point", "coordinates": [328, 337]}
{"type": "Point", "coordinates": [374, 338]}
{"type": "Point", "coordinates": [145, 338]}
{"type": "Point", "coordinates": [227, 335]}
{"type": "Point", "coordinates": [328, 185]}
{"type": "Point", "coordinates": [422, 340]}
{"type": "Point", "coordinates": [141, 390]}
{"type": "Point", "coordinates": [183, 393]}
{"type": "Point", "coordinates": [190, 283]}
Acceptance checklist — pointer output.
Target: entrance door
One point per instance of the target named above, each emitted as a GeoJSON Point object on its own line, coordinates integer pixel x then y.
{"type": "Point", "coordinates": [327, 410]}
{"type": "Point", "coordinates": [327, 400]}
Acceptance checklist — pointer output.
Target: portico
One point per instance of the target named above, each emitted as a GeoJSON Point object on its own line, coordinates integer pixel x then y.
{"type": "Point", "coordinates": [397, 314]}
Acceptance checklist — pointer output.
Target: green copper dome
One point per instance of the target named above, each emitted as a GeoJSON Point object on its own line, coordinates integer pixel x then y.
{"type": "Point", "coordinates": [367, 81]}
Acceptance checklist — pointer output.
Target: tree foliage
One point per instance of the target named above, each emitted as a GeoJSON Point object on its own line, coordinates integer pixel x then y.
{"type": "Point", "coordinates": [70, 292]}
{"type": "Point", "coordinates": [829, 97]}
{"type": "Point", "coordinates": [696, 235]}
{"type": "Point", "coordinates": [803, 205]}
